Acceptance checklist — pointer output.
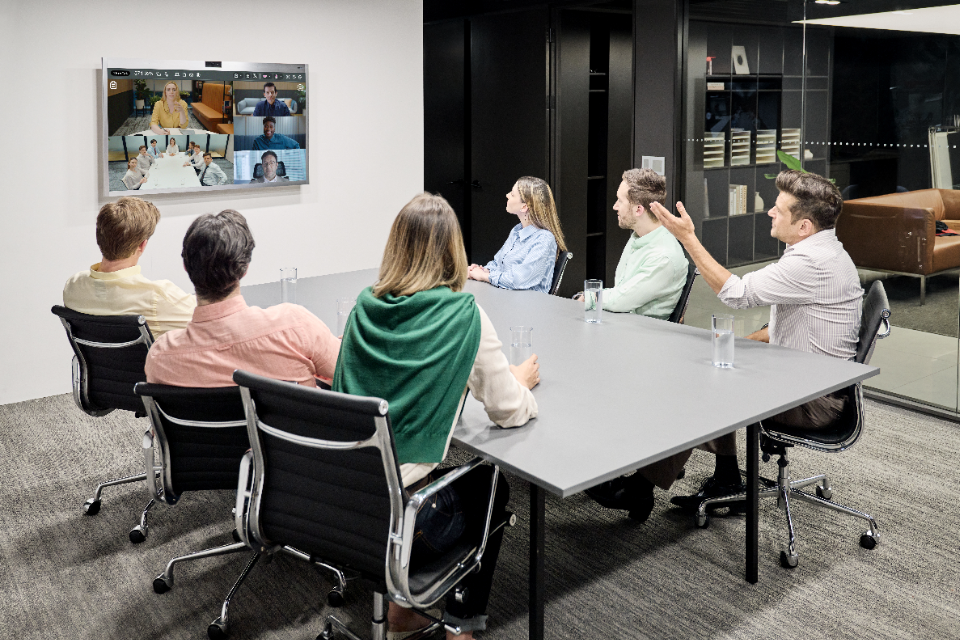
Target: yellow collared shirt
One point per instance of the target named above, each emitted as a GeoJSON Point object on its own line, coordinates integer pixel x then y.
{"type": "Point", "coordinates": [164, 305]}
{"type": "Point", "coordinates": [167, 120]}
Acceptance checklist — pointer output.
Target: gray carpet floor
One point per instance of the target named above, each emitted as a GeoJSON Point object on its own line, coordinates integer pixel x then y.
{"type": "Point", "coordinates": [941, 310]}
{"type": "Point", "coordinates": [64, 575]}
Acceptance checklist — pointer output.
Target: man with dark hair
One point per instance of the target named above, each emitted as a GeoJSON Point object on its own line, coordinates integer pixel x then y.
{"type": "Point", "coordinates": [652, 269]}
{"type": "Point", "coordinates": [816, 302]}
{"type": "Point", "coordinates": [144, 159]}
{"type": "Point", "coordinates": [269, 162]}
{"type": "Point", "coordinates": [154, 153]}
{"type": "Point", "coordinates": [270, 106]}
{"type": "Point", "coordinates": [211, 173]}
{"type": "Point", "coordinates": [272, 140]}
{"type": "Point", "coordinates": [285, 342]}
{"type": "Point", "coordinates": [196, 160]}
{"type": "Point", "coordinates": [114, 285]}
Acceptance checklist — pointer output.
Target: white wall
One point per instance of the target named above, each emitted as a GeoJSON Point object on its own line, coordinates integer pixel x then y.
{"type": "Point", "coordinates": [366, 149]}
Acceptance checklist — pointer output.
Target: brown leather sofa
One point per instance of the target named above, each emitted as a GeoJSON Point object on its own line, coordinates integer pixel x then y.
{"type": "Point", "coordinates": [209, 111]}
{"type": "Point", "coordinates": [897, 233]}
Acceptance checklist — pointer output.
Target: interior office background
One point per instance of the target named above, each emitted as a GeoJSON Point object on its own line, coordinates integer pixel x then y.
{"type": "Point", "coordinates": [577, 90]}
{"type": "Point", "coordinates": [366, 149]}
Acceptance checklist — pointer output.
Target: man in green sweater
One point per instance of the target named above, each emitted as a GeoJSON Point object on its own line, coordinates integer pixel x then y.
{"type": "Point", "coordinates": [652, 269]}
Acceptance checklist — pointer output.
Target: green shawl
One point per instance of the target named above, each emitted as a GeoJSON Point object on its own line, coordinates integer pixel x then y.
{"type": "Point", "coordinates": [416, 352]}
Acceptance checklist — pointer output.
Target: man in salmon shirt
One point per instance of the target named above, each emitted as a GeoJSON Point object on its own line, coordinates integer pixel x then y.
{"type": "Point", "coordinates": [285, 342]}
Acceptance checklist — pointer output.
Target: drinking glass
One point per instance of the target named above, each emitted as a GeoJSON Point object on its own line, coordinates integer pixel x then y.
{"type": "Point", "coordinates": [344, 306]}
{"type": "Point", "coordinates": [521, 344]}
{"type": "Point", "coordinates": [592, 301]}
{"type": "Point", "coordinates": [288, 285]}
{"type": "Point", "coordinates": [723, 337]}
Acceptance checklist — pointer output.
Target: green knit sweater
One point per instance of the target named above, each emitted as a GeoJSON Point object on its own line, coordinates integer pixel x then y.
{"type": "Point", "coordinates": [416, 352]}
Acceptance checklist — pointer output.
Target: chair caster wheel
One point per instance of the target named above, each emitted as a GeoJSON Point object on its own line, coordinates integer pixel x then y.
{"type": "Point", "coordinates": [826, 494]}
{"type": "Point", "coordinates": [867, 541]}
{"type": "Point", "coordinates": [217, 630]}
{"type": "Point", "coordinates": [236, 536]}
{"type": "Point", "coordinates": [682, 474]}
{"type": "Point", "coordinates": [788, 561]}
{"type": "Point", "coordinates": [702, 521]}
{"type": "Point", "coordinates": [138, 534]}
{"type": "Point", "coordinates": [327, 633]}
{"type": "Point", "coordinates": [335, 598]}
{"type": "Point", "coordinates": [91, 507]}
{"type": "Point", "coordinates": [512, 520]}
{"type": "Point", "coordinates": [160, 585]}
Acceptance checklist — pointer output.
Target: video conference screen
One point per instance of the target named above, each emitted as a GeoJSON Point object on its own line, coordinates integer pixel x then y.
{"type": "Point", "coordinates": [174, 126]}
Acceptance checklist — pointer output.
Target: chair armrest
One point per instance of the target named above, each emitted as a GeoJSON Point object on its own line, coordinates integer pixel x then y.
{"type": "Point", "coordinates": [150, 466]}
{"type": "Point", "coordinates": [240, 510]}
{"type": "Point", "coordinates": [888, 237]}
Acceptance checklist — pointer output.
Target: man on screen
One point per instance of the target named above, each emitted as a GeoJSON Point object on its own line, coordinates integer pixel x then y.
{"type": "Point", "coordinates": [212, 174]}
{"type": "Point", "coordinates": [135, 176]}
{"type": "Point", "coordinates": [272, 140]}
{"type": "Point", "coordinates": [144, 160]}
{"type": "Point", "coordinates": [270, 106]}
{"type": "Point", "coordinates": [196, 159]}
{"type": "Point", "coordinates": [269, 162]}
{"type": "Point", "coordinates": [153, 150]}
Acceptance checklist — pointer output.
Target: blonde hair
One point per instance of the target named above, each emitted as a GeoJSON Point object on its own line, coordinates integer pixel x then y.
{"type": "Point", "coordinates": [424, 250]}
{"type": "Point", "coordinates": [175, 85]}
{"type": "Point", "coordinates": [541, 210]}
{"type": "Point", "coordinates": [123, 225]}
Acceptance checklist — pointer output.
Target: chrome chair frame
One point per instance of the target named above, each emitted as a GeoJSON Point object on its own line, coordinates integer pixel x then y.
{"type": "Point", "coordinates": [403, 510]}
{"type": "Point", "coordinates": [785, 487]}
{"type": "Point", "coordinates": [680, 310]}
{"type": "Point", "coordinates": [80, 375]}
{"type": "Point", "coordinates": [560, 267]}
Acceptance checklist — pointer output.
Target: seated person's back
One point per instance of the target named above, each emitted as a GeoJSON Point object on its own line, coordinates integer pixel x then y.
{"type": "Point", "coordinates": [652, 269]}
{"type": "Point", "coordinates": [285, 342]}
{"type": "Point", "coordinates": [114, 286]}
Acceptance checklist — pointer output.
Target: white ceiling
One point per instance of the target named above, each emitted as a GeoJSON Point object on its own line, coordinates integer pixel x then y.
{"type": "Point", "coordinates": [930, 20]}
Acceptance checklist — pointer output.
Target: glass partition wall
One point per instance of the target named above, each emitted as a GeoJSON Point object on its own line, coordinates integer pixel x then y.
{"type": "Point", "coordinates": [871, 102]}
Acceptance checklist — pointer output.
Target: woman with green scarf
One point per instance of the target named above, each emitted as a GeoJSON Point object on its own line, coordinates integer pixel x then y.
{"type": "Point", "coordinates": [419, 341]}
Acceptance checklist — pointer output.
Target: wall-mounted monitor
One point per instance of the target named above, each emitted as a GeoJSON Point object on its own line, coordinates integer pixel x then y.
{"type": "Point", "coordinates": [172, 126]}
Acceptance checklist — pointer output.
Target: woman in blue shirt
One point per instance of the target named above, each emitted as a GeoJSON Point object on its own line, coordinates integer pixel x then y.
{"type": "Point", "coordinates": [527, 258]}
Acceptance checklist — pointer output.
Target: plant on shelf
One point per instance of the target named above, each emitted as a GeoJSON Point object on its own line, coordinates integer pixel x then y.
{"type": "Point", "coordinates": [141, 93]}
{"type": "Point", "coordinates": [301, 99]}
{"type": "Point", "coordinates": [185, 96]}
{"type": "Point", "coordinates": [791, 162]}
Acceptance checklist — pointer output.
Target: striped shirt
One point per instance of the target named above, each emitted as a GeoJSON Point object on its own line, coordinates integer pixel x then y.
{"type": "Point", "coordinates": [816, 296]}
{"type": "Point", "coordinates": [526, 260]}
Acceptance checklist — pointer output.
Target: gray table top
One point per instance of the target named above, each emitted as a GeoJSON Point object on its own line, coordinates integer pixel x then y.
{"type": "Point", "coordinates": [613, 397]}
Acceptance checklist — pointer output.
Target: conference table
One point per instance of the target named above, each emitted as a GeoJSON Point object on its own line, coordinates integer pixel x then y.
{"type": "Point", "coordinates": [168, 172]}
{"type": "Point", "coordinates": [613, 397]}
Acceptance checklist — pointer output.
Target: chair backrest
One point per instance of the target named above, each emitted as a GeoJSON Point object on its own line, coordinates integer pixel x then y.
{"type": "Point", "coordinates": [281, 169]}
{"type": "Point", "coordinates": [876, 315]}
{"type": "Point", "coordinates": [326, 480]}
{"type": "Point", "coordinates": [678, 311]}
{"type": "Point", "coordinates": [558, 269]}
{"type": "Point", "coordinates": [201, 435]}
{"type": "Point", "coordinates": [109, 357]}
{"type": "Point", "coordinates": [258, 170]}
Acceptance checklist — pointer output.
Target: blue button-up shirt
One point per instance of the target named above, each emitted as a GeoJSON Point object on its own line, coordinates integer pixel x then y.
{"type": "Point", "coordinates": [526, 260]}
{"type": "Point", "coordinates": [277, 141]}
{"type": "Point", "coordinates": [278, 108]}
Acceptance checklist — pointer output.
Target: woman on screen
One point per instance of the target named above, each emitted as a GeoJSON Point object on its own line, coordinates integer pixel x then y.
{"type": "Point", "coordinates": [526, 260]}
{"type": "Point", "coordinates": [169, 113]}
{"type": "Point", "coordinates": [172, 148]}
{"type": "Point", "coordinates": [418, 340]}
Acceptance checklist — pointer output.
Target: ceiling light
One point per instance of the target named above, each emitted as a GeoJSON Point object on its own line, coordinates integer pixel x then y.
{"type": "Point", "coordinates": [827, 1]}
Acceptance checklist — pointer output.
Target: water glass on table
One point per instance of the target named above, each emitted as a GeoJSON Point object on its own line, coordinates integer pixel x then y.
{"type": "Point", "coordinates": [521, 344]}
{"type": "Point", "coordinates": [592, 301]}
{"type": "Point", "coordinates": [344, 307]}
{"type": "Point", "coordinates": [723, 340]}
{"type": "Point", "coordinates": [288, 285]}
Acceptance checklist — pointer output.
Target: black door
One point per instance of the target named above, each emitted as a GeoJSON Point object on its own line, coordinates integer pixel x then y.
{"type": "Point", "coordinates": [444, 111]}
{"type": "Point", "coordinates": [509, 90]}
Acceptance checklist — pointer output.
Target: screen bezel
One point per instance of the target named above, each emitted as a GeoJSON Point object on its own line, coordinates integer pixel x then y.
{"type": "Point", "coordinates": [134, 63]}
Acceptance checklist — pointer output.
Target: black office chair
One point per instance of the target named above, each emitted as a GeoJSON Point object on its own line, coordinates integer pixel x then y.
{"type": "Point", "coordinates": [322, 483]}
{"type": "Point", "coordinates": [558, 269]}
{"type": "Point", "coordinates": [258, 170]}
{"type": "Point", "coordinates": [776, 439]}
{"type": "Point", "coordinates": [681, 308]}
{"type": "Point", "coordinates": [109, 356]}
{"type": "Point", "coordinates": [197, 441]}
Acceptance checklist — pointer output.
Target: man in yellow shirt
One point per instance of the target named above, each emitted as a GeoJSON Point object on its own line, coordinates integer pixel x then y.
{"type": "Point", "coordinates": [114, 286]}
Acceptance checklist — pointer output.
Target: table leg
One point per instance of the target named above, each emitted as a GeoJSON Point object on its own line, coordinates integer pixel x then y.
{"type": "Point", "coordinates": [753, 499]}
{"type": "Point", "coordinates": [537, 587]}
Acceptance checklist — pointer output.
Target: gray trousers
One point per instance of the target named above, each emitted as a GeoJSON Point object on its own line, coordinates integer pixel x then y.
{"type": "Point", "coordinates": [821, 412]}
